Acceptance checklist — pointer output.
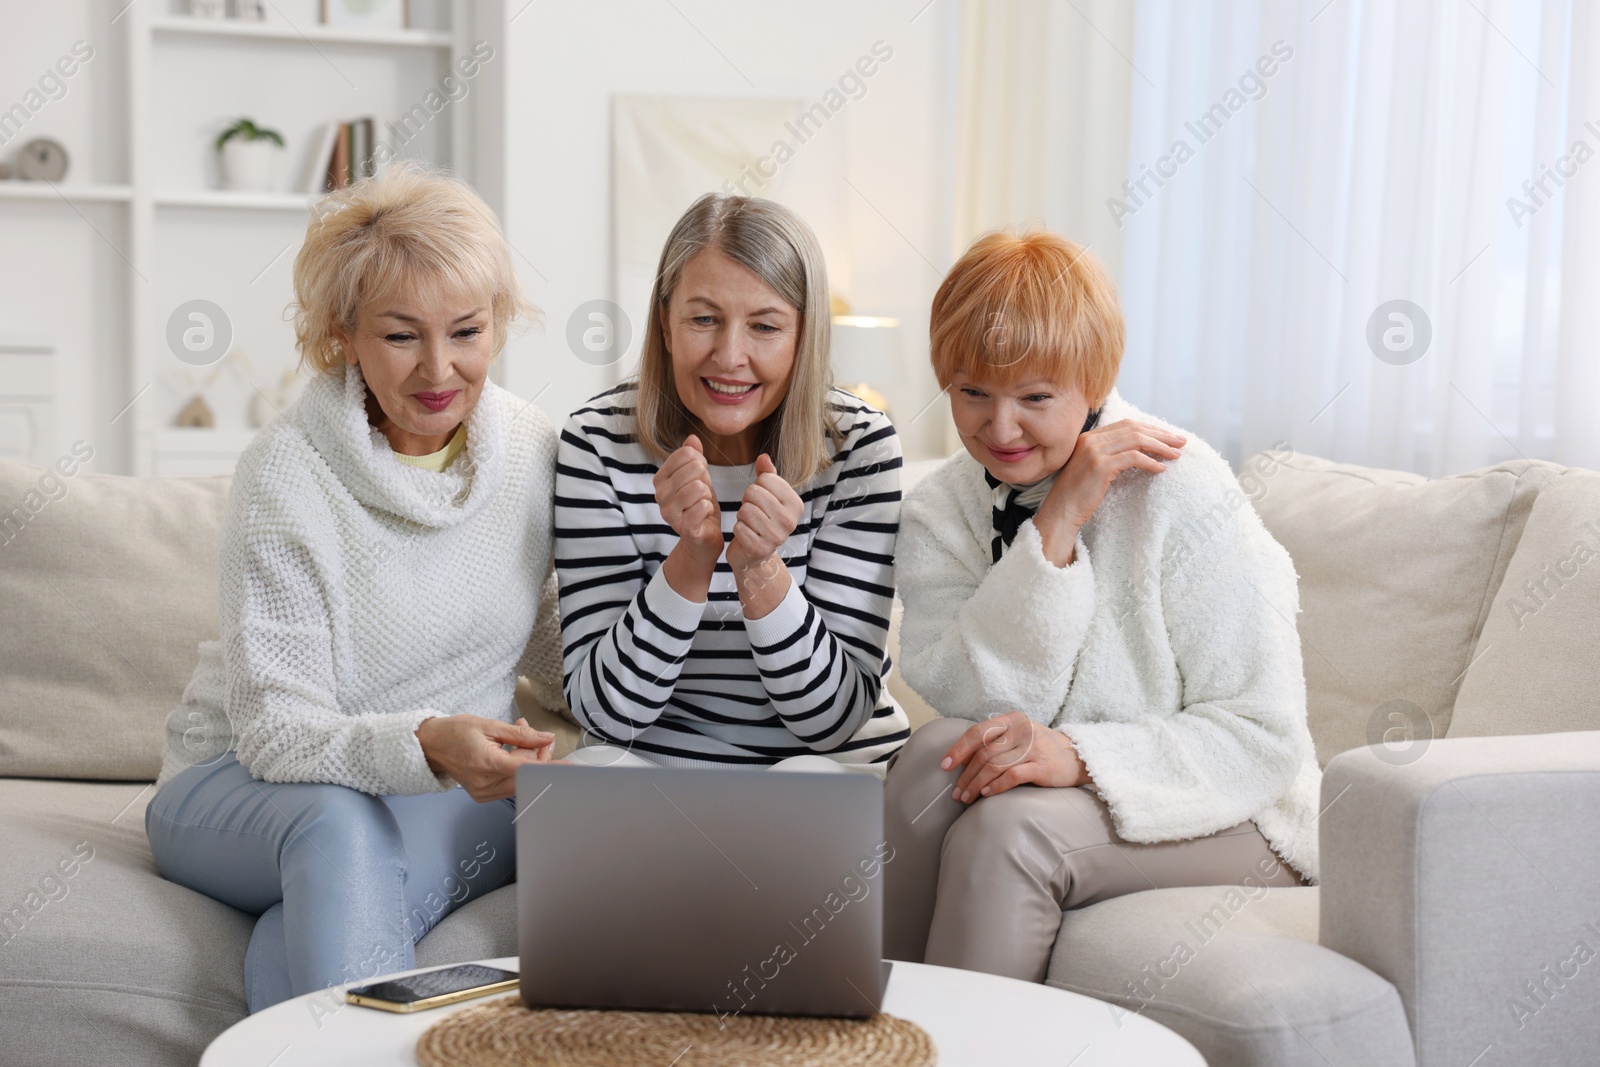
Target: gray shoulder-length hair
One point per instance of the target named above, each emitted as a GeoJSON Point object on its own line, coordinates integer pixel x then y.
{"type": "Point", "coordinates": [778, 247]}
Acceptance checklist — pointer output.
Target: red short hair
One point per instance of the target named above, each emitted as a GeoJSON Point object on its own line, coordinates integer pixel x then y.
{"type": "Point", "coordinates": [1035, 305]}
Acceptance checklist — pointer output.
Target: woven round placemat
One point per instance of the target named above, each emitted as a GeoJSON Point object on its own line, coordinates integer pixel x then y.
{"type": "Point", "coordinates": [505, 1034]}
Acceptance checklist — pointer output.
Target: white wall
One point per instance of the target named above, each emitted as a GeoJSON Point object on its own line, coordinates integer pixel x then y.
{"type": "Point", "coordinates": [566, 58]}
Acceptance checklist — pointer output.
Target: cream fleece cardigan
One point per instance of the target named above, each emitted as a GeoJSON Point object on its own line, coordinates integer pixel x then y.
{"type": "Point", "coordinates": [1167, 651]}
{"type": "Point", "coordinates": [359, 595]}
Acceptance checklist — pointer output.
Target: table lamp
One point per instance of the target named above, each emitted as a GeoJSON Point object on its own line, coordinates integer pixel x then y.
{"type": "Point", "coordinates": [866, 356]}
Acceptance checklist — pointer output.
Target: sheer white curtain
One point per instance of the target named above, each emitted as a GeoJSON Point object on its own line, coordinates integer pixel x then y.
{"type": "Point", "coordinates": [1042, 118]}
{"type": "Point", "coordinates": [1295, 166]}
{"type": "Point", "coordinates": [1041, 126]}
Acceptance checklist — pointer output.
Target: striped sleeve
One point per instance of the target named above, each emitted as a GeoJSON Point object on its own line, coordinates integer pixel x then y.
{"type": "Point", "coordinates": [821, 651]}
{"type": "Point", "coordinates": [625, 635]}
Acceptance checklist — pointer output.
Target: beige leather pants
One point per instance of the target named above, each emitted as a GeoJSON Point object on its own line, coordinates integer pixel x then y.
{"type": "Point", "coordinates": [982, 887]}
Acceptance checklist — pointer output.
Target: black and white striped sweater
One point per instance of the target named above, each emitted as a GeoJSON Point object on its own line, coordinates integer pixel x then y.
{"type": "Point", "coordinates": [682, 683]}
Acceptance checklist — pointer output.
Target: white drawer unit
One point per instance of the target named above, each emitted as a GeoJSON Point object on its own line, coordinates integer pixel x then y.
{"type": "Point", "coordinates": [197, 453]}
{"type": "Point", "coordinates": [27, 400]}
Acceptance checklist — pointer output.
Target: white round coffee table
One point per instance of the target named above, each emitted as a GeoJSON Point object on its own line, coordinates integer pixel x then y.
{"type": "Point", "coordinates": [974, 1019]}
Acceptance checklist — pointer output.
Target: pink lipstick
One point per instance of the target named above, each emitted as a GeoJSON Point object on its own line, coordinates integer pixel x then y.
{"type": "Point", "coordinates": [436, 401]}
{"type": "Point", "coordinates": [1010, 455]}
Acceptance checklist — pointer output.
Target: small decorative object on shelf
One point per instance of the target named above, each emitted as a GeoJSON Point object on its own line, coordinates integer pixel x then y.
{"type": "Point", "coordinates": [250, 157]}
{"type": "Point", "coordinates": [5, 171]}
{"type": "Point", "coordinates": [208, 9]}
{"type": "Point", "coordinates": [249, 10]}
{"type": "Point", "coordinates": [270, 402]}
{"type": "Point", "coordinates": [196, 414]}
{"type": "Point", "coordinates": [365, 14]}
{"type": "Point", "coordinates": [42, 160]}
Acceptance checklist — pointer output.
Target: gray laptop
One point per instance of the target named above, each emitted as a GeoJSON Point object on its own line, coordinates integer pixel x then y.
{"type": "Point", "coordinates": [726, 891]}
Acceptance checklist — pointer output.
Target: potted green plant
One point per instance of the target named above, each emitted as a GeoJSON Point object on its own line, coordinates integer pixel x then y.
{"type": "Point", "coordinates": [250, 157]}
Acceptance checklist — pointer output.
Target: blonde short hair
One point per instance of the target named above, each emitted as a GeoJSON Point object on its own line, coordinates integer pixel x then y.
{"type": "Point", "coordinates": [1016, 307]}
{"type": "Point", "coordinates": [777, 246]}
{"type": "Point", "coordinates": [411, 231]}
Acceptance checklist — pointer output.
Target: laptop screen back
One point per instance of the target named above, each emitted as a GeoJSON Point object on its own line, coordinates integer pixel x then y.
{"type": "Point", "coordinates": [726, 891]}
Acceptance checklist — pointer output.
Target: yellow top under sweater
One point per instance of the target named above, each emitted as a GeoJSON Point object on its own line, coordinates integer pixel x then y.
{"type": "Point", "coordinates": [438, 461]}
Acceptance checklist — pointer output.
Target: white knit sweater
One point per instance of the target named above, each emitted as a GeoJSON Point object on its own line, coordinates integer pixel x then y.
{"type": "Point", "coordinates": [1167, 651]}
{"type": "Point", "coordinates": [359, 595]}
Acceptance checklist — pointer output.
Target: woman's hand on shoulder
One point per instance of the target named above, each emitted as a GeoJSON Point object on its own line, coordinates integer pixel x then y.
{"type": "Point", "coordinates": [688, 502]}
{"type": "Point", "coordinates": [1012, 750]}
{"type": "Point", "coordinates": [470, 749]}
{"type": "Point", "coordinates": [1097, 459]}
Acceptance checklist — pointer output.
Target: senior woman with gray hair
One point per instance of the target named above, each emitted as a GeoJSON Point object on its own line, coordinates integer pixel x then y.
{"type": "Point", "coordinates": [381, 568]}
{"type": "Point", "coordinates": [725, 521]}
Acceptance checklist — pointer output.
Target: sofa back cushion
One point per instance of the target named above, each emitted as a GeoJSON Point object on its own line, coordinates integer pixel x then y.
{"type": "Point", "coordinates": [1396, 575]}
{"type": "Point", "coordinates": [107, 585]}
{"type": "Point", "coordinates": [1534, 670]}
{"type": "Point", "coordinates": [918, 711]}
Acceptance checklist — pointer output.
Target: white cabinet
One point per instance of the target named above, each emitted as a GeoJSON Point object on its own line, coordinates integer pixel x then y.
{"type": "Point", "coordinates": [27, 401]}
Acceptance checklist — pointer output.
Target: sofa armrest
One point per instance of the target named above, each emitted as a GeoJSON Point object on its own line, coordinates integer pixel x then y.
{"type": "Point", "coordinates": [1470, 879]}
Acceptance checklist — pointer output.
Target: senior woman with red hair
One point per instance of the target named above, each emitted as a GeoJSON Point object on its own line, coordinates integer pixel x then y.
{"type": "Point", "coordinates": [1117, 651]}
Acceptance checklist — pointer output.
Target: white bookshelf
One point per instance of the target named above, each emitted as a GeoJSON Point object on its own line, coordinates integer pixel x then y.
{"type": "Point", "coordinates": [218, 198]}
{"type": "Point", "coordinates": [143, 178]}
{"type": "Point", "coordinates": [46, 191]}
{"type": "Point", "coordinates": [307, 34]}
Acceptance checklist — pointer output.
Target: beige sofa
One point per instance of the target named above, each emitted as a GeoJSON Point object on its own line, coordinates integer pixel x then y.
{"type": "Point", "coordinates": [1454, 619]}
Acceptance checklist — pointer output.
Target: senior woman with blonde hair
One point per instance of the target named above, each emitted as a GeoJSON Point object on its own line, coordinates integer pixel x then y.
{"type": "Point", "coordinates": [725, 522]}
{"type": "Point", "coordinates": [381, 569]}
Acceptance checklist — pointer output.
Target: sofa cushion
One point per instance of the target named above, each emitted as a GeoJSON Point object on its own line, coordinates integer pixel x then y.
{"type": "Point", "coordinates": [917, 710]}
{"type": "Point", "coordinates": [1527, 674]}
{"type": "Point", "coordinates": [1396, 573]}
{"type": "Point", "coordinates": [541, 718]}
{"type": "Point", "coordinates": [481, 929]}
{"type": "Point", "coordinates": [108, 587]}
{"type": "Point", "coordinates": [96, 948]}
{"type": "Point", "coordinates": [1237, 972]}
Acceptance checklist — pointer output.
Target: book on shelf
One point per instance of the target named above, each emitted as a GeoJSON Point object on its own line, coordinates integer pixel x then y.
{"type": "Point", "coordinates": [363, 164]}
{"type": "Point", "coordinates": [316, 180]}
{"type": "Point", "coordinates": [339, 162]}
{"type": "Point", "coordinates": [346, 152]}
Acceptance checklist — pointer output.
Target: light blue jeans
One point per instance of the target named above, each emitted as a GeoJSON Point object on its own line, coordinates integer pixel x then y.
{"type": "Point", "coordinates": [344, 883]}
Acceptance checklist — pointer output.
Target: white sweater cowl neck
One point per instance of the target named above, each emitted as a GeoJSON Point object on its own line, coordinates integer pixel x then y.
{"type": "Point", "coordinates": [333, 416]}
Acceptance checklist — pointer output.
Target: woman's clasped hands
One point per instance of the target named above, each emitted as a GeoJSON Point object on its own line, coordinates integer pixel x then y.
{"type": "Point", "coordinates": [769, 512]}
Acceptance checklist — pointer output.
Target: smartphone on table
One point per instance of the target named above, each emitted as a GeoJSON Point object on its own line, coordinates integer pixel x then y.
{"type": "Point", "coordinates": [433, 989]}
